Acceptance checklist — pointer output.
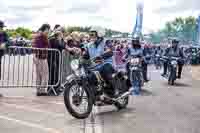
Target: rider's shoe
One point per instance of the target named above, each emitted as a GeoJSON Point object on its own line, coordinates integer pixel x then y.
{"type": "Point", "coordinates": [41, 94]}
{"type": "Point", "coordinates": [179, 76]}
{"type": "Point", "coordinates": [164, 75]}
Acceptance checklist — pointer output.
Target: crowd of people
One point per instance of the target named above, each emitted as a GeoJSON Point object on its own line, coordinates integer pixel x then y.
{"type": "Point", "coordinates": [75, 44]}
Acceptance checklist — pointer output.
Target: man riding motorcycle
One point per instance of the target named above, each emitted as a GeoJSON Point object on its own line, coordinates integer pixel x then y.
{"type": "Point", "coordinates": [137, 50]}
{"type": "Point", "coordinates": [100, 54]}
{"type": "Point", "coordinates": [175, 51]}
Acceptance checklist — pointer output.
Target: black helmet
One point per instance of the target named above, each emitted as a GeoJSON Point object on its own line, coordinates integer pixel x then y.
{"type": "Point", "coordinates": [136, 41]}
{"type": "Point", "coordinates": [175, 41]}
{"type": "Point", "coordinates": [2, 24]}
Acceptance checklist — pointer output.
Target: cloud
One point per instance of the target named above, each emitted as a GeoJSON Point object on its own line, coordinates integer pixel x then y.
{"type": "Point", "coordinates": [115, 14]}
{"type": "Point", "coordinates": [32, 8]}
{"type": "Point", "coordinates": [82, 8]}
{"type": "Point", "coordinates": [179, 6]}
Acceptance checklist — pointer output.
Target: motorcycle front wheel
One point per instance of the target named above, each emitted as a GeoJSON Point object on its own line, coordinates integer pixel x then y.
{"type": "Point", "coordinates": [122, 104]}
{"type": "Point", "coordinates": [74, 97]}
{"type": "Point", "coordinates": [172, 77]}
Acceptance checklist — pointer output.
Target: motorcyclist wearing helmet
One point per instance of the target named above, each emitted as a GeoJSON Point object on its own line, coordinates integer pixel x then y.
{"type": "Point", "coordinates": [136, 50]}
{"type": "Point", "coordinates": [3, 42]}
{"type": "Point", "coordinates": [175, 51]}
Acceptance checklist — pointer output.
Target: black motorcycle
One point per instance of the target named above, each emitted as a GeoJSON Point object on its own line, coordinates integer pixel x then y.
{"type": "Point", "coordinates": [172, 69]}
{"type": "Point", "coordinates": [83, 89]}
{"type": "Point", "coordinates": [135, 73]}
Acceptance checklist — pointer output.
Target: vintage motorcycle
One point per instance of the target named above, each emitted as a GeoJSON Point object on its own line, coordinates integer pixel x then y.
{"type": "Point", "coordinates": [86, 86]}
{"type": "Point", "coordinates": [172, 68]}
{"type": "Point", "coordinates": [135, 73]}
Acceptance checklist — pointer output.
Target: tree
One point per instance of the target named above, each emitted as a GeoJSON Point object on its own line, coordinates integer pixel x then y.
{"type": "Point", "coordinates": [182, 28]}
{"type": "Point", "coordinates": [23, 32]}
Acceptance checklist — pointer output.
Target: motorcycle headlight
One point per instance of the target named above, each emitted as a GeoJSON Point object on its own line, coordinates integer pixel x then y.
{"type": "Point", "coordinates": [75, 65]}
{"type": "Point", "coordinates": [135, 61]}
{"type": "Point", "coordinates": [157, 55]}
{"type": "Point", "coordinates": [174, 62]}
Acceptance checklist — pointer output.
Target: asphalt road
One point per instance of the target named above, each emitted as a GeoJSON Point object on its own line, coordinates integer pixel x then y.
{"type": "Point", "coordinates": [160, 109]}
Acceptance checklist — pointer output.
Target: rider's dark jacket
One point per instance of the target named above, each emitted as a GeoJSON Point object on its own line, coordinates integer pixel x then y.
{"type": "Point", "coordinates": [176, 52]}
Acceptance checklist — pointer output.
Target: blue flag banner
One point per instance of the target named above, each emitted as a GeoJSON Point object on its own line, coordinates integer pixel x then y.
{"type": "Point", "coordinates": [198, 29]}
{"type": "Point", "coordinates": [137, 31]}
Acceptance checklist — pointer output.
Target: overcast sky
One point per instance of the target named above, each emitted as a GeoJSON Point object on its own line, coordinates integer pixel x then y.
{"type": "Point", "coordinates": [115, 14]}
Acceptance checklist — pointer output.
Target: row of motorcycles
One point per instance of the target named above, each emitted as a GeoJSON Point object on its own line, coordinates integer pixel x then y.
{"type": "Point", "coordinates": [82, 93]}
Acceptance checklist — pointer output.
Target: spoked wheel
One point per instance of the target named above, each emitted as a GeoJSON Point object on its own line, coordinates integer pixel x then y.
{"type": "Point", "coordinates": [78, 101]}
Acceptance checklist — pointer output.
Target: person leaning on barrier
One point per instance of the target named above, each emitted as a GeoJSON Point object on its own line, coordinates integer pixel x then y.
{"type": "Point", "coordinates": [56, 42]}
{"type": "Point", "coordinates": [71, 52]}
{"type": "Point", "coordinates": [40, 41]}
{"type": "Point", "coordinates": [3, 43]}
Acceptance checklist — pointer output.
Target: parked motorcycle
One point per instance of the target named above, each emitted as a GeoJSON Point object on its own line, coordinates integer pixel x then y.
{"type": "Point", "coordinates": [82, 88]}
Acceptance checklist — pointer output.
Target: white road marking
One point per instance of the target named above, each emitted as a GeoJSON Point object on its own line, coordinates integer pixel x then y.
{"type": "Point", "coordinates": [36, 99]}
{"type": "Point", "coordinates": [28, 124]}
{"type": "Point", "coordinates": [32, 109]}
{"type": "Point", "coordinates": [94, 124]}
{"type": "Point", "coordinates": [58, 103]}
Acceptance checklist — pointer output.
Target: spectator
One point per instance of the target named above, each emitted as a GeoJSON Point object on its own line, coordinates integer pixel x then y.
{"type": "Point", "coordinates": [71, 52]}
{"type": "Point", "coordinates": [3, 41]}
{"type": "Point", "coordinates": [40, 59]}
{"type": "Point", "coordinates": [57, 43]}
{"type": "Point", "coordinates": [57, 26]}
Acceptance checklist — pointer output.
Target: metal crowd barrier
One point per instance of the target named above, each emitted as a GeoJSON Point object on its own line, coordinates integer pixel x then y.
{"type": "Point", "coordinates": [35, 67]}
{"type": "Point", "coordinates": [30, 67]}
{"type": "Point", "coordinates": [65, 66]}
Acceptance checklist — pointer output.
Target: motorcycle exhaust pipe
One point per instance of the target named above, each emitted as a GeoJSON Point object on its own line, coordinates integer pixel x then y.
{"type": "Point", "coordinates": [125, 94]}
